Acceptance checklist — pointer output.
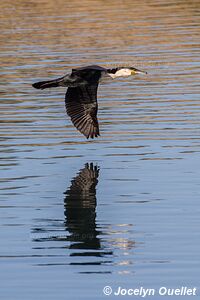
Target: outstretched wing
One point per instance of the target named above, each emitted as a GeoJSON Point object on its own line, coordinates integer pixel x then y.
{"type": "Point", "coordinates": [81, 106]}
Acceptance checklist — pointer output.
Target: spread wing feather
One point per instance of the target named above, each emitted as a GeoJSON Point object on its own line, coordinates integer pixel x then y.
{"type": "Point", "coordinates": [81, 106]}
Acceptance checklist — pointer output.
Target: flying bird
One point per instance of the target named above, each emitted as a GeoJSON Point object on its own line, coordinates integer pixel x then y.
{"type": "Point", "coordinates": [81, 96]}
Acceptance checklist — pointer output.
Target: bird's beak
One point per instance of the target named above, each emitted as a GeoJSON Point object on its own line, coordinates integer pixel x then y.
{"type": "Point", "coordinates": [136, 71]}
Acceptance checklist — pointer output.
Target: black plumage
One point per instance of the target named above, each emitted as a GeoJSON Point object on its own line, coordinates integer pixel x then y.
{"type": "Point", "coordinates": [81, 105]}
{"type": "Point", "coordinates": [81, 96]}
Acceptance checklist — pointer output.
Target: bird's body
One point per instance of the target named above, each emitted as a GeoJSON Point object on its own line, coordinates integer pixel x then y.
{"type": "Point", "coordinates": [81, 96]}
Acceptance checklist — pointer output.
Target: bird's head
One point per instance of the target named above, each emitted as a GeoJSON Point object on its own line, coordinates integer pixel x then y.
{"type": "Point", "coordinates": [124, 72]}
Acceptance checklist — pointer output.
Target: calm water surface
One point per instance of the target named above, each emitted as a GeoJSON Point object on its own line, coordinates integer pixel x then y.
{"type": "Point", "coordinates": [122, 210]}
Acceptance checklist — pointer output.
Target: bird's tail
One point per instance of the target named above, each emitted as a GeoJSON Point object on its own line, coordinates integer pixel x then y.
{"type": "Point", "coordinates": [48, 84]}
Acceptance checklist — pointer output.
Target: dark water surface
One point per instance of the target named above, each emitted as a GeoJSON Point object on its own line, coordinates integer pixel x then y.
{"type": "Point", "coordinates": [122, 210]}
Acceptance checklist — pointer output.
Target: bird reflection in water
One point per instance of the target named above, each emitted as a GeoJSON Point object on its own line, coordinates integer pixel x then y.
{"type": "Point", "coordinates": [82, 235]}
{"type": "Point", "coordinates": [80, 209]}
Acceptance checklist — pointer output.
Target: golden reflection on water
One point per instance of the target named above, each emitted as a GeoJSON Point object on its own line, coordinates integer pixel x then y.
{"type": "Point", "coordinates": [41, 40]}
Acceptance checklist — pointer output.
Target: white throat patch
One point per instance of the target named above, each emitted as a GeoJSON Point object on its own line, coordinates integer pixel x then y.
{"type": "Point", "coordinates": [121, 73]}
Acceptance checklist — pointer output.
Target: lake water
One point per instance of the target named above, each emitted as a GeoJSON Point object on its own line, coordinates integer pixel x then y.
{"type": "Point", "coordinates": [123, 209]}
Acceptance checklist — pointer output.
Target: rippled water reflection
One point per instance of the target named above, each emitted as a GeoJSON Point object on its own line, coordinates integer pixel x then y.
{"type": "Point", "coordinates": [136, 221]}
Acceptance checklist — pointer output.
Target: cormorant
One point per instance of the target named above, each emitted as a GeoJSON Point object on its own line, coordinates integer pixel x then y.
{"type": "Point", "coordinates": [81, 96]}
